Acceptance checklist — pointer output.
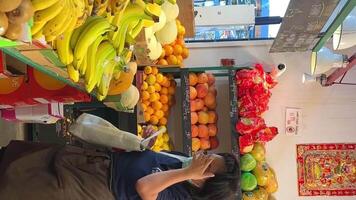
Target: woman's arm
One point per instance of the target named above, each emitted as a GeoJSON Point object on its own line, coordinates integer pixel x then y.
{"type": "Point", "coordinates": [149, 186]}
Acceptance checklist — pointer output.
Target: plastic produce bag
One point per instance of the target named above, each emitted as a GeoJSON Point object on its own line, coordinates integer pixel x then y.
{"type": "Point", "coordinates": [98, 131]}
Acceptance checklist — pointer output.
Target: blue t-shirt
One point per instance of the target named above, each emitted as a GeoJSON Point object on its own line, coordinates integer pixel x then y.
{"type": "Point", "coordinates": [129, 167]}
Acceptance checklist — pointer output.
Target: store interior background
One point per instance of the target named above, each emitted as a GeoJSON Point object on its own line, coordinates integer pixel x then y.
{"type": "Point", "coordinates": [329, 114]}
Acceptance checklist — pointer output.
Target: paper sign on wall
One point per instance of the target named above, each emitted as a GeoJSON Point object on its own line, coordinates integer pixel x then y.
{"type": "Point", "coordinates": [293, 121]}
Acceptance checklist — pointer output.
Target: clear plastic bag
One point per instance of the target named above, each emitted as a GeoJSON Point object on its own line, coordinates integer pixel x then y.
{"type": "Point", "coordinates": [98, 131]}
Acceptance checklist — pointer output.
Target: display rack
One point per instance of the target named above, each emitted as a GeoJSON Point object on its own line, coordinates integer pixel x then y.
{"type": "Point", "coordinates": [46, 61]}
{"type": "Point", "coordinates": [183, 75]}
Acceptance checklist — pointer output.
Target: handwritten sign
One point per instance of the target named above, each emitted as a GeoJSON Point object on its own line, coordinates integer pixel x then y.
{"type": "Point", "coordinates": [302, 24]}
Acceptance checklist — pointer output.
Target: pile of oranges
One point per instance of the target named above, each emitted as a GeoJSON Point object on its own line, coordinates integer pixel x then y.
{"type": "Point", "coordinates": [157, 96]}
{"type": "Point", "coordinates": [176, 52]}
{"type": "Point", "coordinates": [203, 111]}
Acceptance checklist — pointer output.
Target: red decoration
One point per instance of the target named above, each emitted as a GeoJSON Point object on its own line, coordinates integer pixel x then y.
{"type": "Point", "coordinates": [326, 169]}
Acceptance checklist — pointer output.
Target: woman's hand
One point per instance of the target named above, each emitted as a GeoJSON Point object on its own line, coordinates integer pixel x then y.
{"type": "Point", "coordinates": [147, 132]}
{"type": "Point", "coordinates": [198, 169]}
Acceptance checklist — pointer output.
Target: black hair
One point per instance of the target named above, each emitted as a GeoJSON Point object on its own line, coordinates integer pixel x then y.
{"type": "Point", "coordinates": [223, 186]}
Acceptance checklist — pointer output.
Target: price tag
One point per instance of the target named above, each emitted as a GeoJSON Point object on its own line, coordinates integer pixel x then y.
{"type": "Point", "coordinates": [293, 121]}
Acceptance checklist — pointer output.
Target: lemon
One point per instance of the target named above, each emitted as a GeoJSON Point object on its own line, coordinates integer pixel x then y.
{"type": "Point", "coordinates": [148, 70]}
{"type": "Point", "coordinates": [144, 86]}
{"type": "Point", "coordinates": [139, 128]}
{"type": "Point", "coordinates": [165, 147]}
{"type": "Point", "coordinates": [151, 89]}
{"type": "Point", "coordinates": [151, 79]}
{"type": "Point", "coordinates": [166, 137]}
{"type": "Point", "coordinates": [159, 78]}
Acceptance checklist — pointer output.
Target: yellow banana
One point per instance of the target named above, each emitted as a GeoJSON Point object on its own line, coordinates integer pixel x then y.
{"type": "Point", "coordinates": [37, 26]}
{"type": "Point", "coordinates": [50, 38]}
{"type": "Point", "coordinates": [38, 35]}
{"type": "Point", "coordinates": [80, 8]}
{"type": "Point", "coordinates": [78, 31]}
{"type": "Point", "coordinates": [104, 50]}
{"type": "Point", "coordinates": [64, 51]}
{"type": "Point", "coordinates": [41, 4]}
{"type": "Point", "coordinates": [132, 13]}
{"type": "Point", "coordinates": [106, 77]}
{"type": "Point", "coordinates": [91, 58]}
{"type": "Point", "coordinates": [45, 15]}
{"type": "Point", "coordinates": [58, 24]}
{"type": "Point", "coordinates": [73, 73]}
{"type": "Point", "coordinates": [91, 31]}
{"type": "Point", "coordinates": [100, 7]}
{"type": "Point", "coordinates": [83, 66]}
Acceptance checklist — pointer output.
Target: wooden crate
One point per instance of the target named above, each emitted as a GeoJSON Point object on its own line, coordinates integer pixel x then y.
{"type": "Point", "coordinates": [186, 16]}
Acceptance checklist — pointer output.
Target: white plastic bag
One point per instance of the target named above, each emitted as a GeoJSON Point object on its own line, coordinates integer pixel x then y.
{"type": "Point", "coordinates": [96, 130]}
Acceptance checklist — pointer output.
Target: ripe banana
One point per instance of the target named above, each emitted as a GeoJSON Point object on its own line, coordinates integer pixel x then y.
{"type": "Point", "coordinates": [106, 55]}
{"type": "Point", "coordinates": [41, 5]}
{"type": "Point", "coordinates": [100, 7]}
{"type": "Point", "coordinates": [45, 15]}
{"type": "Point", "coordinates": [37, 35]}
{"type": "Point", "coordinates": [103, 51]}
{"type": "Point", "coordinates": [91, 31]}
{"type": "Point", "coordinates": [78, 31]}
{"type": "Point", "coordinates": [91, 58]}
{"type": "Point", "coordinates": [83, 66]}
{"type": "Point", "coordinates": [73, 73]}
{"type": "Point", "coordinates": [37, 26]}
{"type": "Point", "coordinates": [104, 84]}
{"type": "Point", "coordinates": [80, 8]}
{"type": "Point", "coordinates": [64, 51]}
{"type": "Point", "coordinates": [58, 24]}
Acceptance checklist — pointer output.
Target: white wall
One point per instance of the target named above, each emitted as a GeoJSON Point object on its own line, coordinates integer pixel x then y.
{"type": "Point", "coordinates": [329, 114]}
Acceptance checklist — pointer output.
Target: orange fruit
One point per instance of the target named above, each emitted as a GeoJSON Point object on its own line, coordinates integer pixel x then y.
{"type": "Point", "coordinates": [150, 110]}
{"type": "Point", "coordinates": [162, 62]}
{"type": "Point", "coordinates": [193, 79]}
{"type": "Point", "coordinates": [151, 89]}
{"type": "Point", "coordinates": [145, 95]}
{"type": "Point", "coordinates": [154, 70]}
{"type": "Point", "coordinates": [164, 90]}
{"type": "Point", "coordinates": [166, 83]}
{"type": "Point", "coordinates": [159, 114]}
{"type": "Point", "coordinates": [148, 70]}
{"type": "Point", "coordinates": [168, 50]}
{"type": "Point", "coordinates": [185, 53]}
{"type": "Point", "coordinates": [170, 77]}
{"type": "Point", "coordinates": [194, 130]}
{"type": "Point", "coordinates": [154, 119]}
{"type": "Point", "coordinates": [146, 116]}
{"type": "Point", "coordinates": [157, 105]}
{"type": "Point", "coordinates": [165, 107]}
{"type": "Point", "coordinates": [146, 102]}
{"type": "Point", "coordinates": [203, 117]}
{"type": "Point", "coordinates": [144, 76]}
{"type": "Point", "coordinates": [159, 78]}
{"type": "Point", "coordinates": [163, 121]}
{"type": "Point", "coordinates": [177, 49]}
{"type": "Point", "coordinates": [178, 22]}
{"type": "Point", "coordinates": [144, 107]}
{"type": "Point", "coordinates": [172, 60]}
{"type": "Point", "coordinates": [157, 87]}
{"type": "Point", "coordinates": [195, 144]}
{"type": "Point", "coordinates": [171, 90]}
{"type": "Point", "coordinates": [154, 97]}
{"type": "Point", "coordinates": [180, 41]}
{"type": "Point", "coordinates": [164, 99]}
{"type": "Point", "coordinates": [193, 118]}
{"type": "Point", "coordinates": [180, 59]}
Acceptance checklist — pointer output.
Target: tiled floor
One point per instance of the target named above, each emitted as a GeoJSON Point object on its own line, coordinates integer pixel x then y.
{"type": "Point", "coordinates": [10, 131]}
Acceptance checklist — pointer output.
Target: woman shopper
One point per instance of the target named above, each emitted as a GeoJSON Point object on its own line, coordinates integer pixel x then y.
{"type": "Point", "coordinates": [45, 171]}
